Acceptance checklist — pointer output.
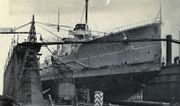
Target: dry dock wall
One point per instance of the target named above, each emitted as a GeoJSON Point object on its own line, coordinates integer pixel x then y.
{"type": "Point", "coordinates": [21, 76]}
{"type": "Point", "coordinates": [165, 87]}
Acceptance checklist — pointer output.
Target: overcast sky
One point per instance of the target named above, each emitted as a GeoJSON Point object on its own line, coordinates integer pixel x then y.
{"type": "Point", "coordinates": [102, 17]}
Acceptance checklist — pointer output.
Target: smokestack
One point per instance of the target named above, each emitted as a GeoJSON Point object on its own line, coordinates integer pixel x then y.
{"type": "Point", "coordinates": [169, 50]}
{"type": "Point", "coordinates": [86, 14]}
{"type": "Point", "coordinates": [179, 45]}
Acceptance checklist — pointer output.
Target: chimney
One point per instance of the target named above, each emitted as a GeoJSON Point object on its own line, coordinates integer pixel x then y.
{"type": "Point", "coordinates": [169, 50]}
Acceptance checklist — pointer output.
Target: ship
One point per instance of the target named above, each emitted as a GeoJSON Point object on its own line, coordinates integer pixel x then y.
{"type": "Point", "coordinates": [123, 67]}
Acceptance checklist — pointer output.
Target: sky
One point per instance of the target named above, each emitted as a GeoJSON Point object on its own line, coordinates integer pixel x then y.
{"type": "Point", "coordinates": [104, 15]}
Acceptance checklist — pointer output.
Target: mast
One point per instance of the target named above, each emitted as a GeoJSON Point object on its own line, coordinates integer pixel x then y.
{"type": "Point", "coordinates": [32, 32]}
{"type": "Point", "coordinates": [160, 11]}
{"type": "Point", "coordinates": [86, 14]}
{"type": "Point", "coordinates": [58, 26]}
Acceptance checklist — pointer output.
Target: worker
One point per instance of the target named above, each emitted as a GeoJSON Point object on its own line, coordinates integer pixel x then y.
{"type": "Point", "coordinates": [52, 59]}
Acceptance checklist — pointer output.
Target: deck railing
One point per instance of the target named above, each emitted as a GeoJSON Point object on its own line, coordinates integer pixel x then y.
{"type": "Point", "coordinates": [127, 27]}
{"type": "Point", "coordinates": [135, 25]}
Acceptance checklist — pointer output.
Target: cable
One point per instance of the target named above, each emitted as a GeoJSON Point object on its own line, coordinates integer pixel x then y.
{"type": "Point", "coordinates": [82, 15]}
{"type": "Point", "coordinates": [53, 25]}
{"type": "Point", "coordinates": [66, 26]}
{"type": "Point", "coordinates": [47, 24]}
{"type": "Point", "coordinates": [44, 39]}
{"type": "Point", "coordinates": [100, 32]}
{"type": "Point", "coordinates": [93, 19]}
{"type": "Point", "coordinates": [41, 39]}
{"type": "Point", "coordinates": [48, 49]}
{"type": "Point", "coordinates": [65, 30]}
{"type": "Point", "coordinates": [22, 26]}
{"type": "Point", "coordinates": [50, 32]}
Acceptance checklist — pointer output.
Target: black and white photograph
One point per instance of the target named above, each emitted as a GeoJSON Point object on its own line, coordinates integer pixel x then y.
{"type": "Point", "coordinates": [90, 53]}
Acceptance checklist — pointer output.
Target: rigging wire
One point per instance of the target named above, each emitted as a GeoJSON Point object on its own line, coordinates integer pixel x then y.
{"type": "Point", "coordinates": [93, 19]}
{"type": "Point", "coordinates": [158, 15]}
{"type": "Point", "coordinates": [22, 26]}
{"type": "Point", "coordinates": [53, 25]}
{"type": "Point", "coordinates": [41, 39]}
{"type": "Point", "coordinates": [100, 32]}
{"type": "Point", "coordinates": [82, 15]}
{"type": "Point", "coordinates": [60, 26]}
{"type": "Point", "coordinates": [47, 24]}
{"type": "Point", "coordinates": [66, 26]}
{"type": "Point", "coordinates": [50, 32]}
{"type": "Point", "coordinates": [65, 30]}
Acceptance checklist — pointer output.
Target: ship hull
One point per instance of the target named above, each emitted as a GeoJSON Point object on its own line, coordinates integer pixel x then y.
{"type": "Point", "coordinates": [98, 55]}
{"type": "Point", "coordinates": [119, 69]}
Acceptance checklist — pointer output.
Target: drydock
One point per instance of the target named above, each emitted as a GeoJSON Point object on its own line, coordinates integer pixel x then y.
{"type": "Point", "coordinates": [123, 68]}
